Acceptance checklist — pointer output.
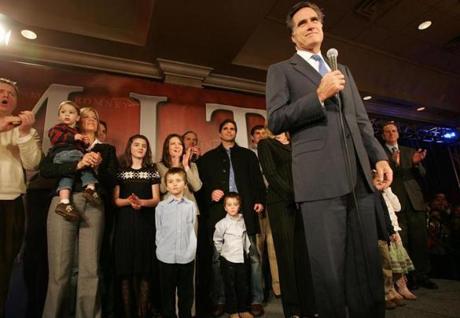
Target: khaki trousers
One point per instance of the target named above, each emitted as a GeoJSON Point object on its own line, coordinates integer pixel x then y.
{"type": "Point", "coordinates": [62, 239]}
{"type": "Point", "coordinates": [265, 237]}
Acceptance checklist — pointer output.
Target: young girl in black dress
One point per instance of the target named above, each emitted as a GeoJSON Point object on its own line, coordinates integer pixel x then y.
{"type": "Point", "coordinates": [136, 194]}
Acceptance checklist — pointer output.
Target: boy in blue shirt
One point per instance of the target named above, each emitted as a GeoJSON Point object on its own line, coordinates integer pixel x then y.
{"type": "Point", "coordinates": [176, 246]}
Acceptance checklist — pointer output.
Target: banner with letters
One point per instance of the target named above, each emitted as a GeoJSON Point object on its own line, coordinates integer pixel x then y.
{"type": "Point", "coordinates": [132, 105]}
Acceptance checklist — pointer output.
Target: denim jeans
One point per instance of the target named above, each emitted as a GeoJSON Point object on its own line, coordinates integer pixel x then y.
{"type": "Point", "coordinates": [257, 291]}
{"type": "Point", "coordinates": [257, 288]}
{"type": "Point", "coordinates": [86, 175]}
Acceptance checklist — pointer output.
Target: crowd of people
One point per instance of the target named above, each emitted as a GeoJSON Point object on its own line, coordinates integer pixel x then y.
{"type": "Point", "coordinates": [444, 237]}
{"type": "Point", "coordinates": [150, 239]}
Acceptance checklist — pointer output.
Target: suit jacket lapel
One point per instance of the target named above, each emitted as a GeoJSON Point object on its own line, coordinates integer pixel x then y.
{"type": "Point", "coordinates": [305, 68]}
{"type": "Point", "coordinates": [309, 72]}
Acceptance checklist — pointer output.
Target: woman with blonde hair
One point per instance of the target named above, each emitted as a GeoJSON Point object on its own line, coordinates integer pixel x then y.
{"type": "Point", "coordinates": [63, 236]}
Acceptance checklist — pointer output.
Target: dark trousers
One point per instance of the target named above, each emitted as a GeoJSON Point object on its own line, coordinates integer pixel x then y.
{"type": "Point", "coordinates": [178, 276]}
{"type": "Point", "coordinates": [35, 259]}
{"type": "Point", "coordinates": [292, 257]}
{"type": "Point", "coordinates": [414, 236]}
{"type": "Point", "coordinates": [11, 234]}
{"type": "Point", "coordinates": [236, 286]}
{"type": "Point", "coordinates": [106, 261]}
{"type": "Point", "coordinates": [344, 256]}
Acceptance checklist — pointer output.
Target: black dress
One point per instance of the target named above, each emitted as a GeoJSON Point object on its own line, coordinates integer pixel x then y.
{"type": "Point", "coordinates": [135, 229]}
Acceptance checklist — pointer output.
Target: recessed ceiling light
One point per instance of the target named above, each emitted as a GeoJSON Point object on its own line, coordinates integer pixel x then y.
{"type": "Point", "coordinates": [368, 97]}
{"type": "Point", "coordinates": [28, 34]}
{"type": "Point", "coordinates": [420, 109]}
{"type": "Point", "coordinates": [424, 25]}
{"type": "Point", "coordinates": [5, 35]}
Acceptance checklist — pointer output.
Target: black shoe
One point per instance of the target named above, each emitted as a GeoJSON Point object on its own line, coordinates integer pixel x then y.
{"type": "Point", "coordinates": [257, 310]}
{"type": "Point", "coordinates": [412, 283]}
{"type": "Point", "coordinates": [429, 284]}
{"type": "Point", "coordinates": [390, 305]}
{"type": "Point", "coordinates": [218, 310]}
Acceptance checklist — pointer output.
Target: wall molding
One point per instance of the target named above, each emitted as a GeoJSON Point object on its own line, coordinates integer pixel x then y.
{"type": "Point", "coordinates": [235, 84]}
{"type": "Point", "coordinates": [181, 73]}
{"type": "Point", "coordinates": [25, 52]}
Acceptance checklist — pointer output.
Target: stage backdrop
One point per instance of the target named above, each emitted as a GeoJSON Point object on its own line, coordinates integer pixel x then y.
{"type": "Point", "coordinates": [132, 105]}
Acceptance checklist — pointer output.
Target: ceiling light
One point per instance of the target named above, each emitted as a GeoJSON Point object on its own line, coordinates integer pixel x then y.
{"type": "Point", "coordinates": [420, 109]}
{"type": "Point", "coordinates": [28, 34]}
{"type": "Point", "coordinates": [368, 97]}
{"type": "Point", "coordinates": [5, 35]}
{"type": "Point", "coordinates": [424, 25]}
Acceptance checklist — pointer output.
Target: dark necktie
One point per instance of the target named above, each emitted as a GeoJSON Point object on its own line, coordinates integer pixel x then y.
{"type": "Point", "coordinates": [395, 155]}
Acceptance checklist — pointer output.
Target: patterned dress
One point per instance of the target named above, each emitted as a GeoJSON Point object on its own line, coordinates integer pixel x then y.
{"type": "Point", "coordinates": [399, 259]}
{"type": "Point", "coordinates": [135, 229]}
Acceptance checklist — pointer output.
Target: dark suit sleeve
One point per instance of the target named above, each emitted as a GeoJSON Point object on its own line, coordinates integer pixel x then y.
{"type": "Point", "coordinates": [107, 172]}
{"type": "Point", "coordinates": [256, 178]}
{"type": "Point", "coordinates": [284, 114]}
{"type": "Point", "coordinates": [50, 170]}
{"type": "Point", "coordinates": [418, 170]}
{"type": "Point", "coordinates": [206, 175]}
{"type": "Point", "coordinates": [373, 147]}
{"type": "Point", "coordinates": [276, 181]}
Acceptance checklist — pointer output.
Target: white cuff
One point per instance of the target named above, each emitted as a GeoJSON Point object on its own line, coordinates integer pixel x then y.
{"type": "Point", "coordinates": [26, 138]}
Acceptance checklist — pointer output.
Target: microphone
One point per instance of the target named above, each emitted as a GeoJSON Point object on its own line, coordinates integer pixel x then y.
{"type": "Point", "coordinates": [332, 57]}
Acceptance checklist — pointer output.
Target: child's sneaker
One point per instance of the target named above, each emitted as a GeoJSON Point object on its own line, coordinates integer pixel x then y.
{"type": "Point", "coordinates": [92, 197]}
{"type": "Point", "coordinates": [67, 211]}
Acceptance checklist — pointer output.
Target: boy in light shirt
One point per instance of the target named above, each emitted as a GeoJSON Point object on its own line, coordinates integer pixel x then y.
{"type": "Point", "coordinates": [176, 246]}
{"type": "Point", "coordinates": [232, 243]}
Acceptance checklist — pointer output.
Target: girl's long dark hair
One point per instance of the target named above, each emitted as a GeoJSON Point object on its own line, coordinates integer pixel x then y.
{"type": "Point", "coordinates": [166, 157]}
{"type": "Point", "coordinates": [126, 160]}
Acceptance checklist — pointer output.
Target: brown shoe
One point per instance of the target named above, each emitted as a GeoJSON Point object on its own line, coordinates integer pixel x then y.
{"type": "Point", "coordinates": [246, 314]}
{"type": "Point", "coordinates": [92, 197]}
{"type": "Point", "coordinates": [218, 310]}
{"type": "Point", "coordinates": [257, 310]}
{"type": "Point", "coordinates": [234, 316]}
{"type": "Point", "coordinates": [68, 211]}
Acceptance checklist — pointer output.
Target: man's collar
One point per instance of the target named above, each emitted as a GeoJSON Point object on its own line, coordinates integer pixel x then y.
{"type": "Point", "coordinates": [306, 55]}
{"type": "Point", "coordinates": [392, 146]}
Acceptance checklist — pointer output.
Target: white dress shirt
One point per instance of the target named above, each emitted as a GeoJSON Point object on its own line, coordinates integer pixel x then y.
{"type": "Point", "coordinates": [307, 56]}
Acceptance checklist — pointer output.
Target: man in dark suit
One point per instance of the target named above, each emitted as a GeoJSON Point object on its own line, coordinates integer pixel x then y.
{"type": "Point", "coordinates": [331, 162]}
{"type": "Point", "coordinates": [408, 169]}
{"type": "Point", "coordinates": [231, 168]}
